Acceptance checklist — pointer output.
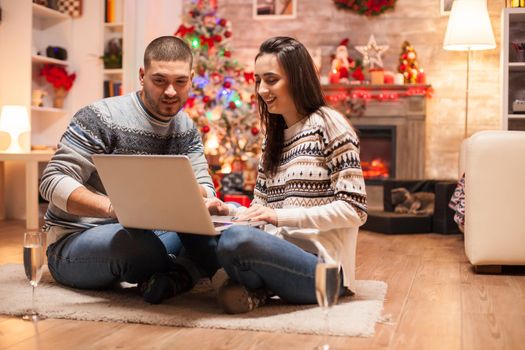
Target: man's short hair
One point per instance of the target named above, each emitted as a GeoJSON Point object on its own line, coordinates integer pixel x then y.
{"type": "Point", "coordinates": [167, 48]}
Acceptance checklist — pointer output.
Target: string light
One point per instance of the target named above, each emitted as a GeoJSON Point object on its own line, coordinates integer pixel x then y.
{"type": "Point", "coordinates": [382, 95]}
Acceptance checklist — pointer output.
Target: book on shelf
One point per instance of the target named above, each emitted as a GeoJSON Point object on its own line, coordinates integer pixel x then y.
{"type": "Point", "coordinates": [113, 11]}
{"type": "Point", "coordinates": [515, 3]}
{"type": "Point", "coordinates": [112, 88]}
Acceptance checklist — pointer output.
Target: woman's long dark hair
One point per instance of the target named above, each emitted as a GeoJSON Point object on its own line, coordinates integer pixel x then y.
{"type": "Point", "coordinates": [305, 89]}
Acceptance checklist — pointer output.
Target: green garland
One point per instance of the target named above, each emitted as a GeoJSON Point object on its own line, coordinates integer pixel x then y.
{"type": "Point", "coordinates": [366, 7]}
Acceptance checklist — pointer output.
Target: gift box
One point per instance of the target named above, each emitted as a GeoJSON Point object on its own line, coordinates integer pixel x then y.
{"type": "Point", "coordinates": [238, 198]}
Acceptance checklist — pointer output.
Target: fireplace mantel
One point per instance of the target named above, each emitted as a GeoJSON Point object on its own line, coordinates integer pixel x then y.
{"type": "Point", "coordinates": [401, 106]}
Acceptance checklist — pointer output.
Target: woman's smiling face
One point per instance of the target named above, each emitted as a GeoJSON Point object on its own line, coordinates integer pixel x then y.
{"type": "Point", "coordinates": [272, 85]}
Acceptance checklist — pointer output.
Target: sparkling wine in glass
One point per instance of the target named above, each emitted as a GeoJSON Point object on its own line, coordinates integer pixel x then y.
{"type": "Point", "coordinates": [327, 281]}
{"type": "Point", "coordinates": [33, 265]}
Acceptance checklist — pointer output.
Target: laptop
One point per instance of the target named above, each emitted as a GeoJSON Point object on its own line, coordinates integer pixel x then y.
{"type": "Point", "coordinates": [158, 192]}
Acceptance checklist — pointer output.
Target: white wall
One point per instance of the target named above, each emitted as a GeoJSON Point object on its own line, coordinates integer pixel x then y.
{"type": "Point", "coordinates": [85, 51]}
{"type": "Point", "coordinates": [15, 87]}
{"type": "Point", "coordinates": [146, 20]}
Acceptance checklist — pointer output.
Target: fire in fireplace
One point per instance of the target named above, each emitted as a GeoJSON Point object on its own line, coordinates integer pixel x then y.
{"type": "Point", "coordinates": [378, 152]}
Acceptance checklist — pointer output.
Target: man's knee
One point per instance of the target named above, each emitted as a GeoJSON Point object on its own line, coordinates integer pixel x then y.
{"type": "Point", "coordinates": [138, 247]}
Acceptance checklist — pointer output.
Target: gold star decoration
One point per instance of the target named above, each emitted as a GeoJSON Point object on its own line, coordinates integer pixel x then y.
{"type": "Point", "coordinates": [372, 53]}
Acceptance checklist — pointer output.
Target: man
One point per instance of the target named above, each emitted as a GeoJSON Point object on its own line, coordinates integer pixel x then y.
{"type": "Point", "coordinates": [88, 248]}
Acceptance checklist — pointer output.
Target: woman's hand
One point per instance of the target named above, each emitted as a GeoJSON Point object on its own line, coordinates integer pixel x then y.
{"type": "Point", "coordinates": [258, 212]}
{"type": "Point", "coordinates": [216, 206]}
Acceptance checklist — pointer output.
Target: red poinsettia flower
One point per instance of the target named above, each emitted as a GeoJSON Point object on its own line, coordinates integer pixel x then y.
{"type": "Point", "coordinates": [366, 7]}
{"type": "Point", "coordinates": [58, 76]}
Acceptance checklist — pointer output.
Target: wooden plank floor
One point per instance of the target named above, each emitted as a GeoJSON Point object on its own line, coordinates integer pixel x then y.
{"type": "Point", "coordinates": [434, 301]}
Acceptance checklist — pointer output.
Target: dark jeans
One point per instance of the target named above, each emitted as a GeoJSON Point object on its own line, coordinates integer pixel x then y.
{"type": "Point", "coordinates": [99, 257]}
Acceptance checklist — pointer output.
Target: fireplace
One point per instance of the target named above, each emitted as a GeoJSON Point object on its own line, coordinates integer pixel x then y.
{"type": "Point", "coordinates": [378, 152]}
{"type": "Point", "coordinates": [390, 120]}
{"type": "Point", "coordinates": [402, 115]}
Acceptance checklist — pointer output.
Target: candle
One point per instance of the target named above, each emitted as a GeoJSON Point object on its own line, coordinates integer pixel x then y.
{"type": "Point", "coordinates": [399, 79]}
{"type": "Point", "coordinates": [334, 76]}
{"type": "Point", "coordinates": [421, 77]}
{"type": "Point", "coordinates": [389, 77]}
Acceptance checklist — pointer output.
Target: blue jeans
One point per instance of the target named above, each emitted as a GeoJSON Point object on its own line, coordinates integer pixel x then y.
{"type": "Point", "coordinates": [256, 259]}
{"type": "Point", "coordinates": [101, 256]}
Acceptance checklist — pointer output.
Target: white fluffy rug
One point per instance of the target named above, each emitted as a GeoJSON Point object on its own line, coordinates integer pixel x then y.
{"type": "Point", "coordinates": [354, 316]}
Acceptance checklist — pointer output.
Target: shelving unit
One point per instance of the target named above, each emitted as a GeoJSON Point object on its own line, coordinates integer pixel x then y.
{"type": "Point", "coordinates": [50, 28]}
{"type": "Point", "coordinates": [113, 75]}
{"type": "Point", "coordinates": [48, 110]}
{"type": "Point", "coordinates": [48, 60]}
{"type": "Point", "coordinates": [513, 71]}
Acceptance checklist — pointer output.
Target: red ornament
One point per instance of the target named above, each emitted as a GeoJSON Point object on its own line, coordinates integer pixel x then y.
{"type": "Point", "coordinates": [255, 131]}
{"type": "Point", "coordinates": [206, 99]}
{"type": "Point", "coordinates": [249, 77]}
{"type": "Point", "coordinates": [216, 77]}
{"type": "Point", "coordinates": [217, 38]}
{"type": "Point", "coordinates": [227, 54]}
{"type": "Point", "coordinates": [207, 41]}
{"type": "Point", "coordinates": [232, 105]}
{"type": "Point", "coordinates": [227, 34]}
{"type": "Point", "coordinates": [183, 30]}
{"type": "Point", "coordinates": [190, 102]}
{"type": "Point", "coordinates": [227, 85]}
{"type": "Point", "coordinates": [205, 129]}
{"type": "Point", "coordinates": [222, 22]}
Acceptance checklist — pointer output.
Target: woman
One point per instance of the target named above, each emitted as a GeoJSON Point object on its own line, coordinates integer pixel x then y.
{"type": "Point", "coordinates": [310, 161]}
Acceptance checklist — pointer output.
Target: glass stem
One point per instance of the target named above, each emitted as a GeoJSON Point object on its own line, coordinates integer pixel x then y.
{"type": "Point", "coordinates": [326, 346]}
{"type": "Point", "coordinates": [33, 301]}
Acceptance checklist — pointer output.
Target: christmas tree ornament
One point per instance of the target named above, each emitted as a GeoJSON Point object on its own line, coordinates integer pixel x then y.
{"type": "Point", "coordinates": [220, 103]}
{"type": "Point", "coordinates": [372, 53]}
{"type": "Point", "coordinates": [408, 65]}
{"type": "Point", "coordinates": [343, 67]}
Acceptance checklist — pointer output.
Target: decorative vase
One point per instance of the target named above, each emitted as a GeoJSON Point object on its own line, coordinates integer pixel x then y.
{"type": "Point", "coordinates": [37, 98]}
{"type": "Point", "coordinates": [60, 95]}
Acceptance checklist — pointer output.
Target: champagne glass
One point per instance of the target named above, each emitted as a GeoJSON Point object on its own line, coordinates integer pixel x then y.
{"type": "Point", "coordinates": [327, 282]}
{"type": "Point", "coordinates": [33, 265]}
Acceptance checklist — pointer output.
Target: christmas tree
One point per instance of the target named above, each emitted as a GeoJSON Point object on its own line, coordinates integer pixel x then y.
{"type": "Point", "coordinates": [222, 102]}
{"type": "Point", "coordinates": [408, 65]}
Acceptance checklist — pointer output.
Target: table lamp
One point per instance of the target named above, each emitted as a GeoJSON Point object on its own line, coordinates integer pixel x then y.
{"type": "Point", "coordinates": [469, 29]}
{"type": "Point", "coordinates": [14, 120]}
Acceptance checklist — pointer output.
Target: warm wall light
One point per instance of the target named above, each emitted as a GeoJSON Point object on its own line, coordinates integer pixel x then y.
{"type": "Point", "coordinates": [469, 29]}
{"type": "Point", "coordinates": [15, 121]}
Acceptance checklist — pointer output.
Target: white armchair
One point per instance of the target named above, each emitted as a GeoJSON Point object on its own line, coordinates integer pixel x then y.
{"type": "Point", "coordinates": [494, 164]}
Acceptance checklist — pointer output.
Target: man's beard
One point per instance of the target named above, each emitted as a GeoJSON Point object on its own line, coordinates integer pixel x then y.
{"type": "Point", "coordinates": [151, 103]}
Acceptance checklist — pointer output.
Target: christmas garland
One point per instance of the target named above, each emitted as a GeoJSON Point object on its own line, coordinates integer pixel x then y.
{"type": "Point", "coordinates": [366, 7]}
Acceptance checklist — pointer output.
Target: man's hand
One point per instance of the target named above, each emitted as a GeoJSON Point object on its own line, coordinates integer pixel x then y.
{"type": "Point", "coordinates": [216, 206]}
{"type": "Point", "coordinates": [83, 202]}
{"type": "Point", "coordinates": [258, 212]}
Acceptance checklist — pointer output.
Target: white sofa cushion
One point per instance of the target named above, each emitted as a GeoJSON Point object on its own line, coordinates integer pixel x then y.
{"type": "Point", "coordinates": [495, 198]}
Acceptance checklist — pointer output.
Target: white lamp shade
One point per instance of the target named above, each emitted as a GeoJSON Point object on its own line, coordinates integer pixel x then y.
{"type": "Point", "coordinates": [469, 27]}
{"type": "Point", "coordinates": [14, 118]}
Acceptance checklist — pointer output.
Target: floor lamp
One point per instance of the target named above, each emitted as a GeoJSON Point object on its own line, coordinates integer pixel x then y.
{"type": "Point", "coordinates": [469, 29]}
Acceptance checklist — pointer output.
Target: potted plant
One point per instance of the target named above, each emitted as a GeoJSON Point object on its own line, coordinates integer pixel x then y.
{"type": "Point", "coordinates": [61, 81]}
